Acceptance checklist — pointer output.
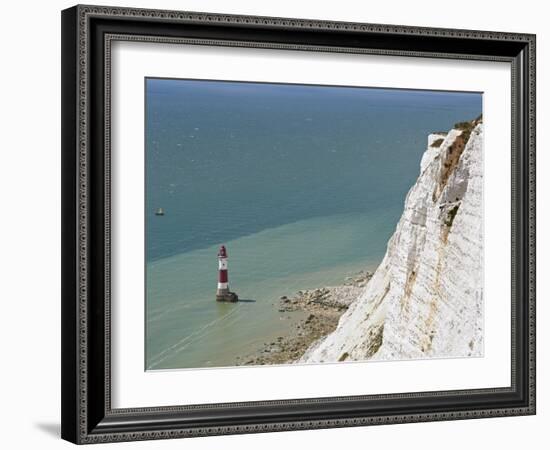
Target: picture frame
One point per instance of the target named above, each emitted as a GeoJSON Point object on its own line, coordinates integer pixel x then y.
{"type": "Point", "coordinates": [88, 33]}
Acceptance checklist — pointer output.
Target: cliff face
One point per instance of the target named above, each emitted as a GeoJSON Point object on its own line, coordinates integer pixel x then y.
{"type": "Point", "coordinates": [426, 297]}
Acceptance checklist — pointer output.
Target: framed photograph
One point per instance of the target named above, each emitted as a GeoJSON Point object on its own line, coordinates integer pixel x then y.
{"type": "Point", "coordinates": [278, 224]}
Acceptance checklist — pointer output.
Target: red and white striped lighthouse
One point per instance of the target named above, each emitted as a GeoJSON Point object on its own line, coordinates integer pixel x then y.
{"type": "Point", "coordinates": [223, 294]}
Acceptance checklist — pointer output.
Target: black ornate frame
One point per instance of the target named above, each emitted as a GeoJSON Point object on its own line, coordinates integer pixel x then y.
{"type": "Point", "coordinates": [87, 33]}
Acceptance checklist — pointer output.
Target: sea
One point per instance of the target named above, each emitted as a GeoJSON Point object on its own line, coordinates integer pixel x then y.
{"type": "Point", "coordinates": [303, 184]}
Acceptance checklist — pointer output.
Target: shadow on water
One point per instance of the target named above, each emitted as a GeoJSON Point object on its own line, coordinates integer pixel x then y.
{"type": "Point", "coordinates": [242, 300]}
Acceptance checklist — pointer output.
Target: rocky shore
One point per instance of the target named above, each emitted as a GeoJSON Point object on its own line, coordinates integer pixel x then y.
{"type": "Point", "coordinates": [322, 307]}
{"type": "Point", "coordinates": [425, 299]}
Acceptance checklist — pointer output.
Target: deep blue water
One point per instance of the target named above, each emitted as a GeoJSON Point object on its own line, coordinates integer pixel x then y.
{"type": "Point", "coordinates": [227, 159]}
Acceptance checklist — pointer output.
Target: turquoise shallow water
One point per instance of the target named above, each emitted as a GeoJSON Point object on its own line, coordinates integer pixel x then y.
{"type": "Point", "coordinates": [304, 185]}
{"type": "Point", "coordinates": [187, 328]}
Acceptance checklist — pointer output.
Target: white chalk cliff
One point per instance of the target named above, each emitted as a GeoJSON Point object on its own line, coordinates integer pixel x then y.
{"type": "Point", "coordinates": [426, 297]}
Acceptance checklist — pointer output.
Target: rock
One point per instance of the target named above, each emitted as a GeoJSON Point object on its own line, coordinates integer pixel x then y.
{"type": "Point", "coordinates": [426, 297]}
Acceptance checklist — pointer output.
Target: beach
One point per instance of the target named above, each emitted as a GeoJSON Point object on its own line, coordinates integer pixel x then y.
{"type": "Point", "coordinates": [320, 310]}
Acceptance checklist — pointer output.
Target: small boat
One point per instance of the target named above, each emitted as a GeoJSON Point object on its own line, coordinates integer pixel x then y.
{"type": "Point", "coordinates": [160, 212]}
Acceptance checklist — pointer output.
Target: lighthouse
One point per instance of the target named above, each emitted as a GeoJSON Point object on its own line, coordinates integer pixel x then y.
{"type": "Point", "coordinates": [223, 294]}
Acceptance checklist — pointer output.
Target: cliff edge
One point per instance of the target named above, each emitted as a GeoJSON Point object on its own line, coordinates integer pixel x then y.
{"type": "Point", "coordinates": [426, 297]}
